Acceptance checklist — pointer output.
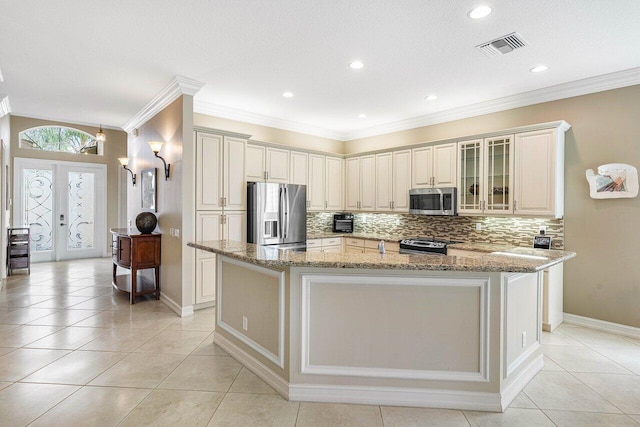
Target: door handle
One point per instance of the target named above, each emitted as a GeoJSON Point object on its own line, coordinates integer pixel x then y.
{"type": "Point", "coordinates": [62, 223]}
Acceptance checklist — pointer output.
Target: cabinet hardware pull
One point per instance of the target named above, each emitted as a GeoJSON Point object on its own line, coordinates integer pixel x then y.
{"type": "Point", "coordinates": [224, 201]}
{"type": "Point", "coordinates": [325, 204]}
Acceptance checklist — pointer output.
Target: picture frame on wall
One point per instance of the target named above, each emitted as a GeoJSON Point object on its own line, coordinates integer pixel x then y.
{"type": "Point", "coordinates": [149, 189]}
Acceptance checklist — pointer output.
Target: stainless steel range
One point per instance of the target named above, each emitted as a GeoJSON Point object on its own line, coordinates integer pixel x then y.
{"type": "Point", "coordinates": [424, 246]}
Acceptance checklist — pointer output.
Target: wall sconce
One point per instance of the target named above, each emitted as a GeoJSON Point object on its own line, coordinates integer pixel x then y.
{"type": "Point", "coordinates": [124, 161]}
{"type": "Point", "coordinates": [101, 136]}
{"type": "Point", "coordinates": [155, 147]}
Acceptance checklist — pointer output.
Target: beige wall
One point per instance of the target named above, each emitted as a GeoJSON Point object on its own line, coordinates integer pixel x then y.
{"type": "Point", "coordinates": [269, 134]}
{"type": "Point", "coordinates": [115, 146]}
{"type": "Point", "coordinates": [175, 205]}
{"type": "Point", "coordinates": [602, 281]}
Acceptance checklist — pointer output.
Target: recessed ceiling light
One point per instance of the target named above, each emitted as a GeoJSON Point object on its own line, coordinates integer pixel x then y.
{"type": "Point", "coordinates": [287, 94]}
{"type": "Point", "coordinates": [362, 116]}
{"type": "Point", "coordinates": [356, 65]}
{"type": "Point", "coordinates": [479, 12]}
{"type": "Point", "coordinates": [431, 98]}
{"type": "Point", "coordinates": [539, 69]}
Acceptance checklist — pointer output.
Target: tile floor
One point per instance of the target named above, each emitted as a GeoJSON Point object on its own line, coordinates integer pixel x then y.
{"type": "Point", "coordinates": [74, 352]}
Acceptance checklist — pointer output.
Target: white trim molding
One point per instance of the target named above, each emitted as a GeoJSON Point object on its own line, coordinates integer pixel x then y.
{"type": "Point", "coordinates": [180, 311]}
{"type": "Point", "coordinates": [514, 388]}
{"type": "Point", "coordinates": [5, 106]}
{"type": "Point", "coordinates": [481, 375]}
{"type": "Point", "coordinates": [278, 359]}
{"type": "Point", "coordinates": [177, 86]}
{"type": "Point", "coordinates": [204, 107]}
{"type": "Point", "coordinates": [602, 325]}
{"type": "Point", "coordinates": [397, 396]}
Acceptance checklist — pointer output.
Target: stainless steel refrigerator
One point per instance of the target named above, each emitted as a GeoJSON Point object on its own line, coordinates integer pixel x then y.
{"type": "Point", "coordinates": [277, 214]}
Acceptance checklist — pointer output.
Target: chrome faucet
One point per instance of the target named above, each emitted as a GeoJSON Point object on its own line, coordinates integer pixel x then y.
{"type": "Point", "coordinates": [381, 247]}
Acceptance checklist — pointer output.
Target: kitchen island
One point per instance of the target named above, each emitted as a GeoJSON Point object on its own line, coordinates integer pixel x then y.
{"type": "Point", "coordinates": [413, 330]}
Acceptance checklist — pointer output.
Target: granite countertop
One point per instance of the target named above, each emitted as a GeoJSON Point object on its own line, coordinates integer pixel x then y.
{"type": "Point", "coordinates": [368, 236]}
{"type": "Point", "coordinates": [505, 259]}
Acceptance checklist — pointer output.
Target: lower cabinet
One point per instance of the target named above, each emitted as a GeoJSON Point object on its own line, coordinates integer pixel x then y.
{"type": "Point", "coordinates": [214, 226]}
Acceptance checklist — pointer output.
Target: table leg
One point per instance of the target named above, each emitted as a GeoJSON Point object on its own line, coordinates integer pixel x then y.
{"type": "Point", "coordinates": [157, 270]}
{"type": "Point", "coordinates": [134, 285]}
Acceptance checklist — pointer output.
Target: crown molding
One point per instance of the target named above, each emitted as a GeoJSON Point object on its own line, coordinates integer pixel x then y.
{"type": "Point", "coordinates": [552, 93]}
{"type": "Point", "coordinates": [177, 86]}
{"type": "Point", "coordinates": [204, 107]}
{"type": "Point", "coordinates": [5, 107]}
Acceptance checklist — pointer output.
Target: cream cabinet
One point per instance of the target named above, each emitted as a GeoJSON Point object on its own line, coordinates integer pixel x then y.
{"type": "Point", "coordinates": [434, 166]}
{"type": "Point", "coordinates": [486, 175]}
{"type": "Point", "coordinates": [267, 164]}
{"type": "Point", "coordinates": [331, 244]}
{"type": "Point", "coordinates": [299, 169]}
{"type": "Point", "coordinates": [214, 226]}
{"type": "Point", "coordinates": [316, 188]}
{"type": "Point", "coordinates": [393, 181]}
{"type": "Point", "coordinates": [539, 173]}
{"type": "Point", "coordinates": [220, 172]}
{"type": "Point", "coordinates": [334, 200]}
{"type": "Point", "coordinates": [360, 174]}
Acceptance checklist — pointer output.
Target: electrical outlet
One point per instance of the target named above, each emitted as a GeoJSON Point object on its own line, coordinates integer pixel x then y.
{"type": "Point", "coordinates": [129, 223]}
{"type": "Point", "coordinates": [245, 323]}
{"type": "Point", "coordinates": [176, 233]}
{"type": "Point", "coordinates": [524, 339]}
{"type": "Point", "coordinates": [478, 226]}
{"type": "Point", "coordinates": [542, 229]}
{"type": "Point", "coordinates": [171, 232]}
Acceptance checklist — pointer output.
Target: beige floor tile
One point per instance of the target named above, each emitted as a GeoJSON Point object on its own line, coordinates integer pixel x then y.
{"type": "Point", "coordinates": [589, 419]}
{"type": "Point", "coordinates": [248, 382]}
{"type": "Point", "coordinates": [125, 340]}
{"type": "Point", "coordinates": [25, 334]}
{"type": "Point", "coordinates": [523, 401]}
{"type": "Point", "coordinates": [558, 338]}
{"type": "Point", "coordinates": [78, 368]}
{"type": "Point", "coordinates": [562, 391]}
{"type": "Point", "coordinates": [5, 350]}
{"type": "Point", "coordinates": [64, 317]}
{"type": "Point", "coordinates": [6, 327]}
{"type": "Point", "coordinates": [621, 390]}
{"type": "Point", "coordinates": [23, 301]}
{"type": "Point", "coordinates": [139, 370]}
{"type": "Point", "coordinates": [636, 418]}
{"type": "Point", "coordinates": [338, 415]}
{"type": "Point", "coordinates": [69, 338]}
{"type": "Point", "coordinates": [581, 359]}
{"type": "Point", "coordinates": [198, 322]}
{"type": "Point", "coordinates": [628, 358]}
{"type": "Point", "coordinates": [205, 373]}
{"type": "Point", "coordinates": [172, 408]}
{"type": "Point", "coordinates": [61, 302]}
{"type": "Point", "coordinates": [511, 417]}
{"type": "Point", "coordinates": [424, 417]}
{"type": "Point", "coordinates": [25, 315]}
{"type": "Point", "coordinates": [90, 292]}
{"type": "Point", "coordinates": [264, 410]}
{"type": "Point", "coordinates": [173, 342]}
{"type": "Point", "coordinates": [5, 384]}
{"type": "Point", "coordinates": [93, 406]}
{"type": "Point", "coordinates": [24, 361]}
{"type": "Point", "coordinates": [20, 404]}
{"type": "Point", "coordinates": [208, 348]}
{"type": "Point", "coordinates": [592, 337]}
{"type": "Point", "coordinates": [550, 365]}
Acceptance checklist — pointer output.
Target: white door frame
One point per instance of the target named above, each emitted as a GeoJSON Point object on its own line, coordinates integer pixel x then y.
{"type": "Point", "coordinates": [59, 167]}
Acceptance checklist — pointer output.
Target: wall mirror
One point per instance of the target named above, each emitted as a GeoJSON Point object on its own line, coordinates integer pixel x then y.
{"type": "Point", "coordinates": [149, 189]}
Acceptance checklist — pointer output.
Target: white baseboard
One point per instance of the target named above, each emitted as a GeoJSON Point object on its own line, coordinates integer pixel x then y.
{"type": "Point", "coordinates": [602, 325]}
{"type": "Point", "coordinates": [258, 368]}
{"type": "Point", "coordinates": [204, 305]}
{"type": "Point", "coordinates": [517, 385]}
{"type": "Point", "coordinates": [180, 311]}
{"type": "Point", "coordinates": [397, 396]}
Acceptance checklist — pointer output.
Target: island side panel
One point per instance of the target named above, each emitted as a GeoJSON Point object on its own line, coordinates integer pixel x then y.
{"type": "Point", "coordinates": [257, 294]}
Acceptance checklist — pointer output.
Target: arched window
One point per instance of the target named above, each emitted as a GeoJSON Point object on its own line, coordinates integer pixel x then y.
{"type": "Point", "coordinates": [61, 139]}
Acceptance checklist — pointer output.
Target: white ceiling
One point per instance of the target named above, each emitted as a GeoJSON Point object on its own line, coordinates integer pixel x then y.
{"type": "Point", "coordinates": [102, 61]}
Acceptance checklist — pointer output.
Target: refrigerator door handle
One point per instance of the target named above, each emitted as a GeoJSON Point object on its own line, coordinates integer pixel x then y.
{"type": "Point", "coordinates": [280, 213]}
{"type": "Point", "coordinates": [286, 212]}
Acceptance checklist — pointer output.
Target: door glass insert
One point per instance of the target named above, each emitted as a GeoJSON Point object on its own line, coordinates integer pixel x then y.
{"type": "Point", "coordinates": [81, 210]}
{"type": "Point", "coordinates": [470, 170]}
{"type": "Point", "coordinates": [38, 207]}
{"type": "Point", "coordinates": [499, 160]}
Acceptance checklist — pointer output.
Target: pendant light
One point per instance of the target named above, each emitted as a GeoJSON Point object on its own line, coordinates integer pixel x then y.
{"type": "Point", "coordinates": [100, 136]}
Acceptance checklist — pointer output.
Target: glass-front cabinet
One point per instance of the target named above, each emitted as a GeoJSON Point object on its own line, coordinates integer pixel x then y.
{"type": "Point", "coordinates": [486, 175]}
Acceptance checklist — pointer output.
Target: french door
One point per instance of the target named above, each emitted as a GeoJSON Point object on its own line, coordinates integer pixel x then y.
{"type": "Point", "coordinates": [64, 205]}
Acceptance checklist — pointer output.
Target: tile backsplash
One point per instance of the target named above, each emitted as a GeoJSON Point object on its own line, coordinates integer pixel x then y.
{"type": "Point", "coordinates": [517, 231]}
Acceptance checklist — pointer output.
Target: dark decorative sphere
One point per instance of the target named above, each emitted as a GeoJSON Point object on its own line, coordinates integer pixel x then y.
{"type": "Point", "coordinates": [146, 222]}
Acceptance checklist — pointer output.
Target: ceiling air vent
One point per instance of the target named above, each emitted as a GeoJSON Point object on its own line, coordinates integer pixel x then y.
{"type": "Point", "coordinates": [502, 45]}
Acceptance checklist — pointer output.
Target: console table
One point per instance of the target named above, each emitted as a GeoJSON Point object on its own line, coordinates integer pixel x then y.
{"type": "Point", "coordinates": [135, 251]}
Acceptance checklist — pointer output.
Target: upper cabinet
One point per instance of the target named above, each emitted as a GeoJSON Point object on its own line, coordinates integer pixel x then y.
{"type": "Point", "coordinates": [316, 188]}
{"type": "Point", "coordinates": [267, 164]}
{"type": "Point", "coordinates": [393, 181]}
{"type": "Point", "coordinates": [299, 169]}
{"type": "Point", "coordinates": [539, 172]}
{"type": "Point", "coordinates": [434, 166]}
{"type": "Point", "coordinates": [486, 175]}
{"type": "Point", "coordinates": [220, 172]}
{"type": "Point", "coordinates": [334, 200]}
{"type": "Point", "coordinates": [360, 174]}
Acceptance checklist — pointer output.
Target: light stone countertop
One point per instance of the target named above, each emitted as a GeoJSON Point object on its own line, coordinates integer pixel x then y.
{"type": "Point", "coordinates": [502, 259]}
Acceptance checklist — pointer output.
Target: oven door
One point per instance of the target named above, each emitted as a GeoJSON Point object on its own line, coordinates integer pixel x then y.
{"type": "Point", "coordinates": [343, 226]}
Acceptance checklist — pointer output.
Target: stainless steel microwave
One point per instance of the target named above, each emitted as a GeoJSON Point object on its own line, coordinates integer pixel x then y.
{"type": "Point", "coordinates": [433, 201]}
